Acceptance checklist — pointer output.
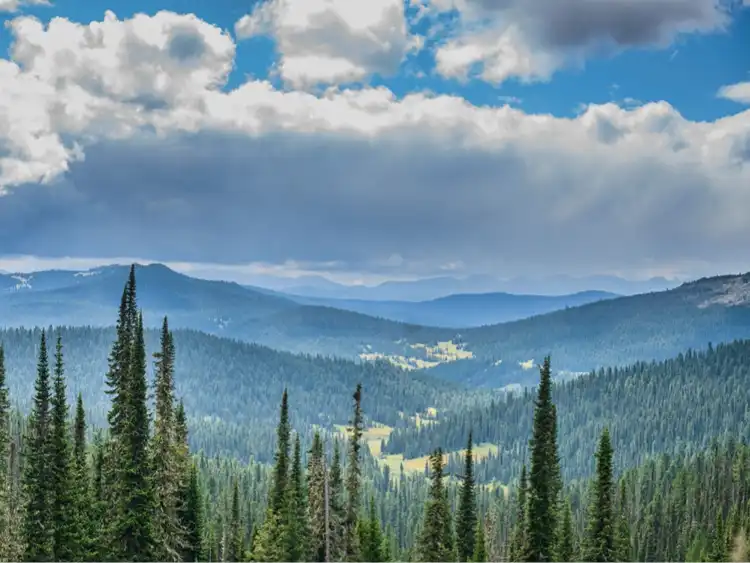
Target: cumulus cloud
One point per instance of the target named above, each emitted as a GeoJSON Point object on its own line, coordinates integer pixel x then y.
{"type": "Point", "coordinates": [331, 41]}
{"type": "Point", "coordinates": [739, 92]}
{"type": "Point", "coordinates": [148, 157]}
{"type": "Point", "coordinates": [15, 5]}
{"type": "Point", "coordinates": [530, 39]}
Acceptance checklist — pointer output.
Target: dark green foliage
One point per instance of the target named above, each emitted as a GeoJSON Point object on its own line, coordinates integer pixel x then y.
{"type": "Point", "coordinates": [317, 508]}
{"type": "Point", "coordinates": [599, 544]}
{"type": "Point", "coordinates": [353, 480]}
{"type": "Point", "coordinates": [435, 542]}
{"type": "Point", "coordinates": [518, 542]}
{"type": "Point", "coordinates": [83, 501]}
{"type": "Point", "coordinates": [337, 516]}
{"type": "Point", "coordinates": [565, 544]}
{"type": "Point", "coordinates": [466, 519]}
{"type": "Point", "coordinates": [37, 530]}
{"type": "Point", "coordinates": [234, 540]}
{"type": "Point", "coordinates": [480, 549]}
{"type": "Point", "coordinates": [192, 519]}
{"type": "Point", "coordinates": [371, 539]}
{"type": "Point", "coordinates": [544, 474]}
{"type": "Point", "coordinates": [5, 476]}
{"type": "Point", "coordinates": [67, 534]}
{"type": "Point", "coordinates": [622, 531]}
{"type": "Point", "coordinates": [296, 529]}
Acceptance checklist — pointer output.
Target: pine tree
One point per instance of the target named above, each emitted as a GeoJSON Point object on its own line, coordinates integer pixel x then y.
{"type": "Point", "coordinates": [353, 480]}
{"type": "Point", "coordinates": [133, 533]}
{"type": "Point", "coordinates": [316, 505]}
{"type": "Point", "coordinates": [518, 541]}
{"type": "Point", "coordinates": [66, 534]}
{"type": "Point", "coordinates": [599, 544]}
{"type": "Point", "coordinates": [234, 538]}
{"type": "Point", "coordinates": [5, 475]}
{"type": "Point", "coordinates": [622, 534]}
{"type": "Point", "coordinates": [565, 539]}
{"type": "Point", "coordinates": [100, 547]}
{"type": "Point", "coordinates": [168, 471]}
{"type": "Point", "coordinates": [544, 474]}
{"type": "Point", "coordinates": [82, 497]}
{"type": "Point", "coordinates": [295, 521]}
{"type": "Point", "coordinates": [337, 513]}
{"type": "Point", "coordinates": [480, 549]}
{"type": "Point", "coordinates": [38, 525]}
{"type": "Point", "coordinates": [435, 541]}
{"type": "Point", "coordinates": [193, 519]}
{"type": "Point", "coordinates": [466, 520]}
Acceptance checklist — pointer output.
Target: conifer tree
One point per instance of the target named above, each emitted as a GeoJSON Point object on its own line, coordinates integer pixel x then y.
{"type": "Point", "coordinates": [193, 519]}
{"type": "Point", "coordinates": [316, 505]}
{"type": "Point", "coordinates": [435, 541]}
{"type": "Point", "coordinates": [38, 525]}
{"type": "Point", "coordinates": [353, 480]}
{"type": "Point", "coordinates": [83, 500]}
{"type": "Point", "coordinates": [599, 544]}
{"type": "Point", "coordinates": [466, 520]}
{"type": "Point", "coordinates": [565, 539]}
{"type": "Point", "coordinates": [295, 520]}
{"type": "Point", "coordinates": [337, 513]}
{"type": "Point", "coordinates": [66, 534]}
{"type": "Point", "coordinates": [133, 533]}
{"type": "Point", "coordinates": [480, 548]}
{"type": "Point", "coordinates": [234, 537]}
{"type": "Point", "coordinates": [518, 541]}
{"type": "Point", "coordinates": [622, 533]}
{"type": "Point", "coordinates": [168, 470]}
{"type": "Point", "coordinates": [719, 550]}
{"type": "Point", "coordinates": [5, 475]}
{"type": "Point", "coordinates": [371, 535]}
{"type": "Point", "coordinates": [13, 545]}
{"type": "Point", "coordinates": [544, 474]}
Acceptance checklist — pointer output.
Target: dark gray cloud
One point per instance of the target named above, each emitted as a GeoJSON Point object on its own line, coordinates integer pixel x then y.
{"type": "Point", "coordinates": [221, 198]}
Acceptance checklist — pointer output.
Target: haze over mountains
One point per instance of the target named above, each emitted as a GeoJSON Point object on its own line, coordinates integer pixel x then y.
{"type": "Point", "coordinates": [587, 331]}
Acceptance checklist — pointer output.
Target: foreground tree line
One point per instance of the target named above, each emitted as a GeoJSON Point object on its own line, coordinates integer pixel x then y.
{"type": "Point", "coordinates": [137, 494]}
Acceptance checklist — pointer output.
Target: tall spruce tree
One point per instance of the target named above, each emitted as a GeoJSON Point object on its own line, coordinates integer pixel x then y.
{"type": "Point", "coordinates": [193, 519]}
{"type": "Point", "coordinates": [5, 474]}
{"type": "Point", "coordinates": [599, 544]}
{"type": "Point", "coordinates": [435, 541]}
{"type": "Point", "coordinates": [466, 519]}
{"type": "Point", "coordinates": [316, 505]}
{"type": "Point", "coordinates": [544, 474]}
{"type": "Point", "coordinates": [169, 474]}
{"type": "Point", "coordinates": [337, 510]}
{"type": "Point", "coordinates": [565, 540]}
{"type": "Point", "coordinates": [354, 480]}
{"type": "Point", "coordinates": [66, 534]}
{"type": "Point", "coordinates": [518, 539]}
{"type": "Point", "coordinates": [480, 548]}
{"type": "Point", "coordinates": [38, 523]}
{"type": "Point", "coordinates": [83, 500]}
{"type": "Point", "coordinates": [296, 528]}
{"type": "Point", "coordinates": [234, 539]}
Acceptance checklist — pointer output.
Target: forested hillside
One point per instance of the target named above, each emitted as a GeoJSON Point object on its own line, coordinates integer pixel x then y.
{"type": "Point", "coordinates": [231, 388]}
{"type": "Point", "coordinates": [671, 406]}
{"type": "Point", "coordinates": [137, 494]}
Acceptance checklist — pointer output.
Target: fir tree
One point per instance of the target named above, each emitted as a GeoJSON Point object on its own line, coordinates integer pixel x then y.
{"type": "Point", "coordinates": [565, 539]}
{"type": "Point", "coordinates": [544, 474]}
{"type": "Point", "coordinates": [353, 480]}
{"type": "Point", "coordinates": [168, 475]}
{"type": "Point", "coordinates": [466, 520]}
{"type": "Point", "coordinates": [234, 537]}
{"type": "Point", "coordinates": [337, 513]}
{"type": "Point", "coordinates": [82, 497]}
{"type": "Point", "coordinates": [371, 535]}
{"type": "Point", "coordinates": [193, 519]}
{"type": "Point", "coordinates": [435, 541]}
{"type": "Point", "coordinates": [5, 475]}
{"type": "Point", "coordinates": [599, 544]}
{"type": "Point", "coordinates": [316, 505]}
{"type": "Point", "coordinates": [66, 534]}
{"type": "Point", "coordinates": [622, 534]}
{"type": "Point", "coordinates": [480, 549]}
{"type": "Point", "coordinates": [518, 541]}
{"type": "Point", "coordinates": [295, 520]}
{"type": "Point", "coordinates": [38, 525]}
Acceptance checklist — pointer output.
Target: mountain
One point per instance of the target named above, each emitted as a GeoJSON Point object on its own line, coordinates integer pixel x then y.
{"type": "Point", "coordinates": [608, 332]}
{"type": "Point", "coordinates": [231, 389]}
{"type": "Point", "coordinates": [461, 310]}
{"type": "Point", "coordinates": [434, 288]}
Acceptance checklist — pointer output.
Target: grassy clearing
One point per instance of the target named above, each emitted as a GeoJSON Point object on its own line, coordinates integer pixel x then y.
{"type": "Point", "coordinates": [442, 352]}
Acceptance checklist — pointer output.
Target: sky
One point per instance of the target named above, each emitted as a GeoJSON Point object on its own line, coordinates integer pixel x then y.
{"type": "Point", "coordinates": [366, 140]}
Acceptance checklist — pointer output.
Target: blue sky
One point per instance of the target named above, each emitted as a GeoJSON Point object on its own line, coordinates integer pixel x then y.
{"type": "Point", "coordinates": [367, 139]}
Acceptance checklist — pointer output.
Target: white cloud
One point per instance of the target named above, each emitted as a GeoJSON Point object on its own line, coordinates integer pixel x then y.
{"type": "Point", "coordinates": [739, 92]}
{"type": "Point", "coordinates": [458, 180]}
{"type": "Point", "coordinates": [15, 5]}
{"type": "Point", "coordinates": [531, 39]}
{"type": "Point", "coordinates": [331, 41]}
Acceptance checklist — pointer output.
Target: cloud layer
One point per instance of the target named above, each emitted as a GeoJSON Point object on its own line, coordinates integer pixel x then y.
{"type": "Point", "coordinates": [144, 154]}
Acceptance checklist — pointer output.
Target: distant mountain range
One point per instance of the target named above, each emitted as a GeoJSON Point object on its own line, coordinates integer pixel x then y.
{"type": "Point", "coordinates": [608, 331]}
{"type": "Point", "coordinates": [434, 288]}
